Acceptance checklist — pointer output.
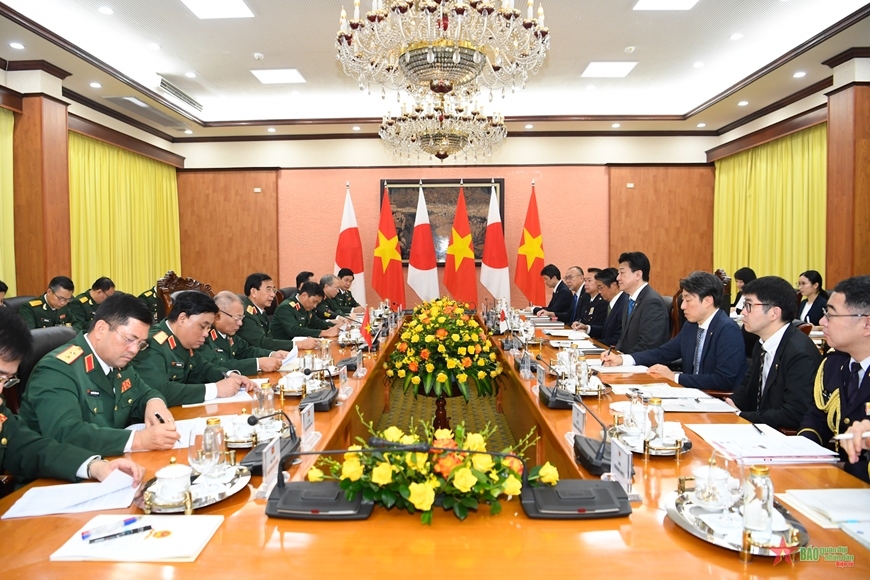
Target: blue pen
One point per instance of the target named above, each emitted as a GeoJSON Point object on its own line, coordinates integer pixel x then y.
{"type": "Point", "coordinates": [110, 528]}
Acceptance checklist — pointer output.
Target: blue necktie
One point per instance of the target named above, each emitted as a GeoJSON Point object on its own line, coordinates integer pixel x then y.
{"type": "Point", "coordinates": [700, 335]}
{"type": "Point", "coordinates": [631, 304]}
{"type": "Point", "coordinates": [573, 309]}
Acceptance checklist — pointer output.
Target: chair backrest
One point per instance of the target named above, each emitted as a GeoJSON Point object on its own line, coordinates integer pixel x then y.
{"type": "Point", "coordinates": [17, 302]}
{"type": "Point", "coordinates": [676, 313]}
{"type": "Point", "coordinates": [45, 340]}
{"type": "Point", "coordinates": [278, 299]}
{"type": "Point", "coordinates": [172, 283]}
{"type": "Point", "coordinates": [288, 292]}
{"type": "Point", "coordinates": [725, 304]}
{"type": "Point", "coordinates": [805, 327]}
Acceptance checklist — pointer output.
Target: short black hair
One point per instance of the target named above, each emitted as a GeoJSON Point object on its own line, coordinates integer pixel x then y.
{"type": "Point", "coordinates": [16, 342]}
{"type": "Point", "coordinates": [774, 291]}
{"type": "Point", "coordinates": [3, 286]}
{"type": "Point", "coordinates": [856, 291]}
{"type": "Point", "coordinates": [607, 276]}
{"type": "Point", "coordinates": [593, 270]}
{"type": "Point", "coordinates": [703, 284]}
{"type": "Point", "coordinates": [254, 281]}
{"type": "Point", "coordinates": [191, 303]}
{"type": "Point", "coordinates": [312, 289]}
{"type": "Point", "coordinates": [551, 271]}
{"type": "Point", "coordinates": [815, 278]}
{"type": "Point", "coordinates": [63, 282]}
{"type": "Point", "coordinates": [636, 261]}
{"type": "Point", "coordinates": [345, 272]}
{"type": "Point", "coordinates": [303, 277]}
{"type": "Point", "coordinates": [104, 284]}
{"type": "Point", "coordinates": [745, 275]}
{"type": "Point", "coordinates": [119, 308]}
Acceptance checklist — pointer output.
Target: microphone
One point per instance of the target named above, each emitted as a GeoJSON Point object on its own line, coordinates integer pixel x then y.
{"type": "Point", "coordinates": [595, 461]}
{"type": "Point", "coordinates": [324, 399]}
{"type": "Point", "coordinates": [254, 459]}
{"type": "Point", "coordinates": [379, 443]}
{"type": "Point", "coordinates": [554, 397]}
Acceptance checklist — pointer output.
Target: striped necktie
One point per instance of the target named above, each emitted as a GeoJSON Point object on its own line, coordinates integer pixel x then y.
{"type": "Point", "coordinates": [697, 360]}
{"type": "Point", "coordinates": [760, 394]}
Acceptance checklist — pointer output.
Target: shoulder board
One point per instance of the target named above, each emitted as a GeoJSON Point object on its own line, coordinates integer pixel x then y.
{"type": "Point", "coordinates": [70, 354]}
{"type": "Point", "coordinates": [293, 303]}
{"type": "Point", "coordinates": [35, 303]}
{"type": "Point", "coordinates": [83, 299]}
{"type": "Point", "coordinates": [160, 337]}
{"type": "Point", "coordinates": [213, 334]}
{"type": "Point", "coordinates": [251, 310]}
{"type": "Point", "coordinates": [148, 293]}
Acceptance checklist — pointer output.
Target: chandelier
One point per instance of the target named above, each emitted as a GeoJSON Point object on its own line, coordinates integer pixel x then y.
{"type": "Point", "coordinates": [442, 45]}
{"type": "Point", "coordinates": [442, 127]}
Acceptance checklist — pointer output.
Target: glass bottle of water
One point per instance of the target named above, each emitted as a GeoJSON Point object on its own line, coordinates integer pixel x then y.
{"type": "Point", "coordinates": [214, 439]}
{"type": "Point", "coordinates": [657, 419]}
{"type": "Point", "coordinates": [758, 504]}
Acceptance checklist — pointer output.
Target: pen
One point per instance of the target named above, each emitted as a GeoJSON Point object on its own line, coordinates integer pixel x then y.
{"type": "Point", "coordinates": [159, 418]}
{"type": "Point", "coordinates": [120, 534]}
{"type": "Point", "coordinates": [760, 432]}
{"type": "Point", "coordinates": [844, 436]}
{"type": "Point", "coordinates": [606, 354]}
{"type": "Point", "coordinates": [110, 528]}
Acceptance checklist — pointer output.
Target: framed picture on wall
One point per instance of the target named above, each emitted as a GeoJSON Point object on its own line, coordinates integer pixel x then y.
{"type": "Point", "coordinates": [442, 195]}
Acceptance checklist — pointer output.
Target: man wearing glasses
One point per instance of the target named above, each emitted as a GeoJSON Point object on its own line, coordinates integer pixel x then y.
{"type": "Point", "coordinates": [841, 394]}
{"type": "Point", "coordinates": [256, 328]}
{"type": "Point", "coordinates": [53, 308]}
{"type": "Point", "coordinates": [86, 392]}
{"type": "Point", "coordinates": [84, 306]}
{"type": "Point", "coordinates": [224, 348]}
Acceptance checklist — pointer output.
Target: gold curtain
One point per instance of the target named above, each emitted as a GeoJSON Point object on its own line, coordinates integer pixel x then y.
{"type": "Point", "coordinates": [7, 202]}
{"type": "Point", "coordinates": [123, 216]}
{"type": "Point", "coordinates": [770, 204]}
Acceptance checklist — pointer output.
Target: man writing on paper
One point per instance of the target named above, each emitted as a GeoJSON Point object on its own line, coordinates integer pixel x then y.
{"type": "Point", "coordinates": [85, 392]}
{"type": "Point", "coordinates": [608, 287]}
{"type": "Point", "coordinates": [645, 322]}
{"type": "Point", "coordinates": [295, 317]}
{"type": "Point", "coordinates": [779, 388]}
{"type": "Point", "coordinates": [27, 454]}
{"type": "Point", "coordinates": [256, 327]}
{"type": "Point", "coordinates": [224, 348]}
{"type": "Point", "coordinates": [710, 343]}
{"type": "Point", "coordinates": [841, 393]}
{"type": "Point", "coordinates": [53, 308]}
{"type": "Point", "coordinates": [173, 365]}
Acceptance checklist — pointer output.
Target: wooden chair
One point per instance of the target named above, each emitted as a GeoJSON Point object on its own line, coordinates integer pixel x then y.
{"type": "Point", "coordinates": [806, 328]}
{"type": "Point", "coordinates": [278, 299]}
{"type": "Point", "coordinates": [172, 283]}
{"type": "Point", "coordinates": [676, 313]}
{"type": "Point", "coordinates": [725, 304]}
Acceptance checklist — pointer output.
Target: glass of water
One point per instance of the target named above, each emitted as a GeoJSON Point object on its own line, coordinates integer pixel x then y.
{"type": "Point", "coordinates": [201, 456]}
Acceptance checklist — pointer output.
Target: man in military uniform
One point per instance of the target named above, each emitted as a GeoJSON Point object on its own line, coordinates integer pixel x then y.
{"type": "Point", "coordinates": [173, 365]}
{"type": "Point", "coordinates": [150, 299]}
{"type": "Point", "coordinates": [345, 297]}
{"type": "Point", "coordinates": [256, 327]}
{"type": "Point", "coordinates": [28, 454]}
{"type": "Point", "coordinates": [329, 308]}
{"type": "Point", "coordinates": [295, 317]}
{"type": "Point", "coordinates": [53, 308]}
{"type": "Point", "coordinates": [85, 304]}
{"type": "Point", "coordinates": [85, 393]}
{"type": "Point", "coordinates": [224, 348]}
{"type": "Point", "coordinates": [842, 388]}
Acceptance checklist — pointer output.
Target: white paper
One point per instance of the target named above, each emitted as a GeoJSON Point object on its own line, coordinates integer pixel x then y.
{"type": "Point", "coordinates": [291, 356]}
{"type": "Point", "coordinates": [622, 369]}
{"type": "Point", "coordinates": [849, 505]}
{"type": "Point", "coordinates": [860, 532]}
{"type": "Point", "coordinates": [115, 492]}
{"type": "Point", "coordinates": [240, 397]}
{"type": "Point", "coordinates": [807, 511]}
{"type": "Point", "coordinates": [661, 390]}
{"type": "Point", "coordinates": [708, 405]}
{"type": "Point", "coordinates": [620, 464]}
{"type": "Point", "coordinates": [712, 432]}
{"type": "Point", "coordinates": [581, 344]}
{"type": "Point", "coordinates": [564, 332]}
{"type": "Point", "coordinates": [778, 450]}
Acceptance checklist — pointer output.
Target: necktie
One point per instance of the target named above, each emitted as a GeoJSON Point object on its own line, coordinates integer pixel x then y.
{"type": "Point", "coordinates": [698, 337]}
{"type": "Point", "coordinates": [573, 309]}
{"type": "Point", "coordinates": [854, 383]}
{"type": "Point", "coordinates": [760, 379]}
{"type": "Point", "coordinates": [631, 303]}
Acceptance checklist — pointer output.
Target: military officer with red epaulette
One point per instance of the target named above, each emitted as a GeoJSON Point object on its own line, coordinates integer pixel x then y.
{"type": "Point", "coordinates": [295, 317]}
{"type": "Point", "coordinates": [53, 308]}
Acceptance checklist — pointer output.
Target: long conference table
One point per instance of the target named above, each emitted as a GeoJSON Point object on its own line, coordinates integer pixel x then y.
{"type": "Point", "coordinates": [395, 544]}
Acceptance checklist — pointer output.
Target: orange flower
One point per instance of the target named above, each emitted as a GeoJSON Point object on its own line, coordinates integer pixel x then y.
{"type": "Point", "coordinates": [447, 463]}
{"type": "Point", "coordinates": [424, 354]}
{"type": "Point", "coordinates": [465, 317]}
{"type": "Point", "coordinates": [513, 463]}
{"type": "Point", "coordinates": [441, 333]}
{"type": "Point", "coordinates": [403, 346]}
{"type": "Point", "coordinates": [466, 362]}
{"type": "Point", "coordinates": [448, 309]}
{"type": "Point", "coordinates": [413, 366]}
{"type": "Point", "coordinates": [426, 320]}
{"type": "Point", "coordinates": [447, 443]}
{"type": "Point", "coordinates": [477, 349]}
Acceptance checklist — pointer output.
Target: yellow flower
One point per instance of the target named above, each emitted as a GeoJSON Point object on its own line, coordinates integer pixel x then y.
{"type": "Point", "coordinates": [352, 456]}
{"type": "Point", "coordinates": [415, 380]}
{"type": "Point", "coordinates": [393, 434]}
{"type": "Point", "coordinates": [443, 434]}
{"type": "Point", "coordinates": [512, 486]}
{"type": "Point", "coordinates": [494, 373]}
{"type": "Point", "coordinates": [460, 311]}
{"type": "Point", "coordinates": [406, 335]}
{"type": "Point", "coordinates": [451, 363]}
{"type": "Point", "coordinates": [441, 319]}
{"type": "Point", "coordinates": [549, 474]}
{"type": "Point", "coordinates": [390, 373]}
{"type": "Point", "coordinates": [464, 480]}
{"type": "Point", "coordinates": [461, 377]}
{"type": "Point", "coordinates": [481, 362]}
{"type": "Point", "coordinates": [399, 364]}
{"type": "Point", "coordinates": [493, 475]}
{"type": "Point", "coordinates": [461, 351]}
{"type": "Point", "coordinates": [415, 338]}
{"type": "Point", "coordinates": [474, 338]}
{"type": "Point", "coordinates": [408, 439]}
{"type": "Point", "coordinates": [422, 496]}
{"type": "Point", "coordinates": [430, 368]}
{"type": "Point", "coordinates": [481, 374]}
{"type": "Point", "coordinates": [432, 482]}
{"type": "Point", "coordinates": [482, 462]}
{"type": "Point", "coordinates": [475, 442]}
{"type": "Point", "coordinates": [460, 323]}
{"type": "Point", "coordinates": [382, 474]}
{"type": "Point", "coordinates": [442, 348]}
{"type": "Point", "coordinates": [401, 374]}
{"type": "Point", "coordinates": [430, 338]}
{"type": "Point", "coordinates": [417, 461]}
{"type": "Point", "coordinates": [492, 356]}
{"type": "Point", "coordinates": [441, 378]}
{"type": "Point", "coordinates": [472, 323]}
{"type": "Point", "coordinates": [351, 469]}
{"type": "Point", "coordinates": [455, 337]}
{"type": "Point", "coordinates": [315, 474]}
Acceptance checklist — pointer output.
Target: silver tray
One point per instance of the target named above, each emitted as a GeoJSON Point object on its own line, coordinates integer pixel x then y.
{"type": "Point", "coordinates": [237, 484]}
{"type": "Point", "coordinates": [240, 443]}
{"type": "Point", "coordinates": [687, 445]}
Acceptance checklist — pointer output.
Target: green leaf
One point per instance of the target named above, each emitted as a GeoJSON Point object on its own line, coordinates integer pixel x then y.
{"type": "Point", "coordinates": [448, 386]}
{"type": "Point", "coordinates": [405, 492]}
{"type": "Point", "coordinates": [407, 382]}
{"type": "Point", "coordinates": [368, 494]}
{"type": "Point", "coordinates": [481, 476]}
{"type": "Point", "coordinates": [470, 502]}
{"type": "Point", "coordinates": [427, 383]}
{"type": "Point", "coordinates": [460, 511]}
{"type": "Point", "coordinates": [448, 502]}
{"type": "Point", "coordinates": [495, 508]}
{"type": "Point", "coordinates": [463, 388]}
{"type": "Point", "coordinates": [437, 388]}
{"type": "Point", "coordinates": [426, 518]}
{"type": "Point", "coordinates": [388, 498]}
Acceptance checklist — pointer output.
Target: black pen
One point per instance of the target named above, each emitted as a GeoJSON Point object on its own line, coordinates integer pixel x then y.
{"type": "Point", "coordinates": [159, 418]}
{"type": "Point", "coordinates": [760, 432]}
{"type": "Point", "coordinates": [120, 534]}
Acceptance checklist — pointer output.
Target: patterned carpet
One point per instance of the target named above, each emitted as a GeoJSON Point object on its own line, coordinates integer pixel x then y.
{"type": "Point", "coordinates": [476, 414]}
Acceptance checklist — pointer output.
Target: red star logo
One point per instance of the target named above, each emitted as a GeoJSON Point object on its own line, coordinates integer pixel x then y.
{"type": "Point", "coordinates": [783, 552]}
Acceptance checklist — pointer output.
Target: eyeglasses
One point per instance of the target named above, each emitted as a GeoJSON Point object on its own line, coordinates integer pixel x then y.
{"type": "Point", "coordinates": [60, 298]}
{"type": "Point", "coordinates": [238, 318]}
{"type": "Point", "coordinates": [129, 341]}
{"type": "Point", "coordinates": [7, 381]}
{"type": "Point", "coordinates": [748, 306]}
{"type": "Point", "coordinates": [827, 314]}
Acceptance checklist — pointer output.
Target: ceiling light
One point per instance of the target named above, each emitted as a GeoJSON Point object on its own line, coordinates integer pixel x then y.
{"type": "Point", "coordinates": [608, 69]}
{"type": "Point", "coordinates": [153, 46]}
{"type": "Point", "coordinates": [96, 86]}
{"type": "Point", "coordinates": [355, 128]}
{"type": "Point", "coordinates": [105, 10]}
{"type": "Point", "coordinates": [701, 125]}
{"type": "Point", "coordinates": [190, 74]}
{"type": "Point", "coordinates": [799, 74]}
{"type": "Point", "coordinates": [698, 64]}
{"type": "Point", "coordinates": [259, 56]}
{"type": "Point", "coordinates": [271, 129]}
{"type": "Point", "coordinates": [208, 9]}
{"type": "Point", "coordinates": [278, 76]}
{"type": "Point", "coordinates": [530, 126]}
{"type": "Point", "coordinates": [665, 4]}
{"type": "Point", "coordinates": [16, 45]}
{"type": "Point", "coordinates": [188, 132]}
{"type": "Point", "coordinates": [629, 49]}
{"type": "Point", "coordinates": [736, 36]}
{"type": "Point", "coordinates": [616, 125]}
{"type": "Point", "coordinates": [742, 103]}
{"type": "Point", "coordinates": [137, 102]}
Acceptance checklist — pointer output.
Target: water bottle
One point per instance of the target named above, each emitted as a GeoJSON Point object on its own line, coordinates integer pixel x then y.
{"type": "Point", "coordinates": [657, 419]}
{"type": "Point", "coordinates": [214, 440]}
{"type": "Point", "coordinates": [265, 400]}
{"type": "Point", "coordinates": [758, 505]}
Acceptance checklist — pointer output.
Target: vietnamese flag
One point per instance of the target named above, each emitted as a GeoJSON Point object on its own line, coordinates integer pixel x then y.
{"type": "Point", "coordinates": [459, 271]}
{"type": "Point", "coordinates": [494, 273]}
{"type": "Point", "coordinates": [348, 251]}
{"type": "Point", "coordinates": [387, 276]}
{"type": "Point", "coordinates": [530, 256]}
{"type": "Point", "coordinates": [365, 329]}
{"type": "Point", "coordinates": [422, 275]}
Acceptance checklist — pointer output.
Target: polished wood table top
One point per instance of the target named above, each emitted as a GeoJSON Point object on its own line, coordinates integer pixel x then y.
{"type": "Point", "coordinates": [396, 544]}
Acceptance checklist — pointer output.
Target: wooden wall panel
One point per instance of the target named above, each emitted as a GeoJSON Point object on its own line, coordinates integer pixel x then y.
{"type": "Point", "coordinates": [228, 231]}
{"type": "Point", "coordinates": [668, 215]}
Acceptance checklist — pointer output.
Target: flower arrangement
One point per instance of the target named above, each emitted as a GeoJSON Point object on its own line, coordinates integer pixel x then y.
{"type": "Point", "coordinates": [443, 346]}
{"type": "Point", "coordinates": [412, 481]}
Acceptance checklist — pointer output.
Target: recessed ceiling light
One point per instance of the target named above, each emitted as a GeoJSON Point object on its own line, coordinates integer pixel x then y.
{"type": "Point", "coordinates": [799, 74]}
{"type": "Point", "coordinates": [701, 125]}
{"type": "Point", "coordinates": [698, 64]}
{"type": "Point", "coordinates": [742, 103]}
{"type": "Point", "coordinates": [96, 86]}
{"type": "Point", "coordinates": [530, 126]}
{"type": "Point", "coordinates": [616, 125]}
{"type": "Point", "coordinates": [736, 36]}
{"type": "Point", "coordinates": [188, 132]}
{"type": "Point", "coordinates": [190, 74]}
{"type": "Point", "coordinates": [608, 69]}
{"type": "Point", "coordinates": [16, 45]}
{"type": "Point", "coordinates": [105, 10]}
{"type": "Point", "coordinates": [590, 88]}
{"type": "Point", "coordinates": [355, 128]}
{"type": "Point", "coordinates": [208, 9]}
{"type": "Point", "coordinates": [271, 129]}
{"type": "Point", "coordinates": [278, 76]}
{"type": "Point", "coordinates": [665, 4]}
{"type": "Point", "coordinates": [629, 49]}
{"type": "Point", "coordinates": [153, 46]}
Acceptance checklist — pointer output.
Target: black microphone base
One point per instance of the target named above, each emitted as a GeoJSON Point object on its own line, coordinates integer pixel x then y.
{"type": "Point", "coordinates": [324, 500]}
{"type": "Point", "coordinates": [323, 400]}
{"type": "Point", "coordinates": [254, 459]}
{"type": "Point", "coordinates": [555, 398]}
{"type": "Point", "coordinates": [576, 499]}
{"type": "Point", "coordinates": [586, 451]}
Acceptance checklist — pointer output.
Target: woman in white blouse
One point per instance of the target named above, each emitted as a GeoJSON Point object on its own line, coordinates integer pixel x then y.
{"type": "Point", "coordinates": [815, 297]}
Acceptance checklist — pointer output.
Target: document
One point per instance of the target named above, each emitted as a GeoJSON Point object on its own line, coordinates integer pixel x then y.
{"type": "Point", "coordinates": [840, 506]}
{"type": "Point", "coordinates": [700, 405]}
{"type": "Point", "coordinates": [581, 344]}
{"type": "Point", "coordinates": [566, 333]}
{"type": "Point", "coordinates": [859, 531]}
{"type": "Point", "coordinates": [240, 397]}
{"type": "Point", "coordinates": [171, 539]}
{"type": "Point", "coordinates": [713, 432]}
{"type": "Point", "coordinates": [622, 369]}
{"type": "Point", "coordinates": [183, 427]}
{"type": "Point", "coordinates": [115, 492]}
{"type": "Point", "coordinates": [775, 450]}
{"type": "Point", "coordinates": [661, 390]}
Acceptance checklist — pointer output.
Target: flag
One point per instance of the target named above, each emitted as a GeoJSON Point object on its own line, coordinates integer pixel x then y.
{"type": "Point", "coordinates": [530, 256]}
{"type": "Point", "coordinates": [459, 266]}
{"type": "Point", "coordinates": [422, 275]}
{"type": "Point", "coordinates": [387, 276]}
{"type": "Point", "coordinates": [365, 329]}
{"type": "Point", "coordinates": [494, 273]}
{"type": "Point", "coordinates": [348, 251]}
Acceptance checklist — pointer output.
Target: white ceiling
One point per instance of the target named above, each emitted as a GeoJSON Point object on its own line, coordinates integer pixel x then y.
{"type": "Point", "coordinates": [300, 34]}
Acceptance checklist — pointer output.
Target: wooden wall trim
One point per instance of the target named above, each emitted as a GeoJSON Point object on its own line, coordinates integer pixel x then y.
{"type": "Point", "coordinates": [43, 65]}
{"type": "Point", "coordinates": [767, 134]}
{"type": "Point", "coordinates": [847, 55]}
{"type": "Point", "coordinates": [780, 104]}
{"type": "Point", "coordinates": [10, 99]}
{"type": "Point", "coordinates": [847, 86]}
{"type": "Point", "coordinates": [99, 132]}
{"type": "Point", "coordinates": [109, 112]}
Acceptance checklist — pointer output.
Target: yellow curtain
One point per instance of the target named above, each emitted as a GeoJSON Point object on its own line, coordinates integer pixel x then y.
{"type": "Point", "coordinates": [123, 216]}
{"type": "Point", "coordinates": [7, 211]}
{"type": "Point", "coordinates": [769, 207]}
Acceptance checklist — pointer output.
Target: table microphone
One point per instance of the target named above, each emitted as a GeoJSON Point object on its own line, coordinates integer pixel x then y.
{"type": "Point", "coordinates": [254, 459]}
{"type": "Point", "coordinates": [593, 455]}
{"type": "Point", "coordinates": [554, 397]}
{"type": "Point", "coordinates": [324, 399]}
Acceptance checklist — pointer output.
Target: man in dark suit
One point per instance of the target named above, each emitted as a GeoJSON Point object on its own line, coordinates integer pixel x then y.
{"type": "Point", "coordinates": [645, 322]}
{"type": "Point", "coordinates": [593, 306]}
{"type": "Point", "coordinates": [573, 281]}
{"type": "Point", "coordinates": [709, 344]}
{"type": "Point", "coordinates": [841, 394]}
{"type": "Point", "coordinates": [779, 388]}
{"type": "Point", "coordinates": [562, 296]}
{"type": "Point", "coordinates": [615, 301]}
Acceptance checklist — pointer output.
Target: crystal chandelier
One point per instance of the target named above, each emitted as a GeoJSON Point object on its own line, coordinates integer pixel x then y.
{"type": "Point", "coordinates": [442, 45]}
{"type": "Point", "coordinates": [442, 126]}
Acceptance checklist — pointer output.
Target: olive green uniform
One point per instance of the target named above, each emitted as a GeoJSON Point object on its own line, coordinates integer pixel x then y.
{"type": "Point", "coordinates": [70, 399]}
{"type": "Point", "coordinates": [83, 309]}
{"type": "Point", "coordinates": [293, 320]}
{"type": "Point", "coordinates": [38, 314]}
{"type": "Point", "coordinates": [150, 298]}
{"type": "Point", "coordinates": [179, 374]}
{"type": "Point", "coordinates": [232, 352]}
{"type": "Point", "coordinates": [330, 309]}
{"type": "Point", "coordinates": [257, 329]}
{"type": "Point", "coordinates": [346, 300]}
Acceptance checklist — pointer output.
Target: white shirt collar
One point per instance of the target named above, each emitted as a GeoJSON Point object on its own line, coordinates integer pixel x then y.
{"type": "Point", "coordinates": [864, 364]}
{"type": "Point", "coordinates": [106, 368]}
{"type": "Point", "coordinates": [220, 333]}
{"type": "Point", "coordinates": [636, 293]}
{"type": "Point", "coordinates": [556, 287]}
{"type": "Point", "coordinates": [706, 324]}
{"type": "Point", "coordinates": [47, 303]}
{"type": "Point", "coordinates": [771, 344]}
{"type": "Point", "coordinates": [614, 299]}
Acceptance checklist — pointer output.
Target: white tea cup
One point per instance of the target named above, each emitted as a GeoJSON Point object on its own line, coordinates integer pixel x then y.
{"type": "Point", "coordinates": [172, 483]}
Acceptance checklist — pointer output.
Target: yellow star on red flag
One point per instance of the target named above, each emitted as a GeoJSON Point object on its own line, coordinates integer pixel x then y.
{"type": "Point", "coordinates": [387, 250]}
{"type": "Point", "coordinates": [460, 248]}
{"type": "Point", "coordinates": [532, 248]}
